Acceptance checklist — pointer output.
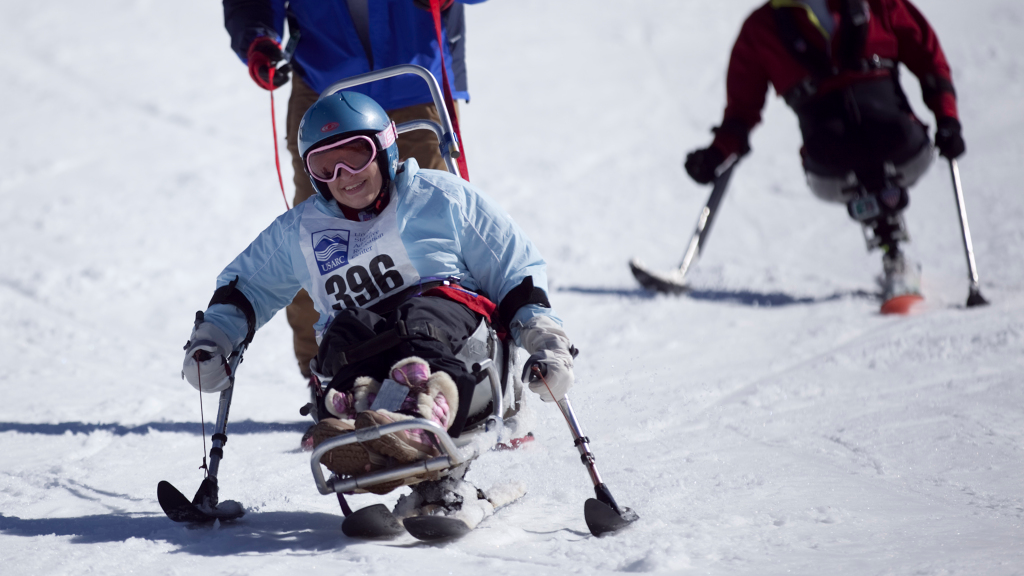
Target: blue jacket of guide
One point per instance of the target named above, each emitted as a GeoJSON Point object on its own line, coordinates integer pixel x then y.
{"type": "Point", "coordinates": [330, 49]}
{"type": "Point", "coordinates": [436, 226]}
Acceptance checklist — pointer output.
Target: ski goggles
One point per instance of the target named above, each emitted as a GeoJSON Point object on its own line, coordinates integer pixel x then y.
{"type": "Point", "coordinates": [351, 154]}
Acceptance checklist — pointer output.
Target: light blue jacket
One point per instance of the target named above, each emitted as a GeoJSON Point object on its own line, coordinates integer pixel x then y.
{"type": "Point", "coordinates": [448, 227]}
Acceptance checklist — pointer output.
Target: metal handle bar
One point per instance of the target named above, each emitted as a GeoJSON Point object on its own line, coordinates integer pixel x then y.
{"type": "Point", "coordinates": [421, 125]}
{"type": "Point", "coordinates": [496, 420]}
{"type": "Point", "coordinates": [451, 456]}
{"type": "Point", "coordinates": [438, 132]}
{"type": "Point", "coordinates": [449, 144]}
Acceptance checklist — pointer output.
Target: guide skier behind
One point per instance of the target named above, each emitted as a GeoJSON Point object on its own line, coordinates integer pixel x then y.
{"type": "Point", "coordinates": [402, 264]}
{"type": "Point", "coordinates": [835, 62]}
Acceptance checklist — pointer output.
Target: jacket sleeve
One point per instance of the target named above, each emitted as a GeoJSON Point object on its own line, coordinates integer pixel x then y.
{"type": "Point", "coordinates": [746, 88]}
{"type": "Point", "coordinates": [246, 20]}
{"type": "Point", "coordinates": [920, 51]}
{"type": "Point", "coordinates": [499, 255]}
{"type": "Point", "coordinates": [266, 272]}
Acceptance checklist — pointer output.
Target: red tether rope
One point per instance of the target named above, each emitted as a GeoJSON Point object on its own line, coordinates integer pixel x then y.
{"type": "Point", "coordinates": [273, 124]}
{"type": "Point", "coordinates": [435, 9]}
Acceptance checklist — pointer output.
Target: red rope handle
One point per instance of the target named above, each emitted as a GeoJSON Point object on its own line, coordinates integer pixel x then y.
{"type": "Point", "coordinates": [435, 9]}
{"type": "Point", "coordinates": [273, 125]}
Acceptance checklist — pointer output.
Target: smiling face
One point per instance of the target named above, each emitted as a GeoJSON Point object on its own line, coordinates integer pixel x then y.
{"type": "Point", "coordinates": [359, 190]}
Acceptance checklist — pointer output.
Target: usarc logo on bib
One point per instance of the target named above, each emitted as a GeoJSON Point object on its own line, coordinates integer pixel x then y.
{"type": "Point", "coordinates": [330, 248]}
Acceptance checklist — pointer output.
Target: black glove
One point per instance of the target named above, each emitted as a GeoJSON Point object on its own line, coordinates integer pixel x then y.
{"type": "Point", "coordinates": [701, 164]}
{"type": "Point", "coordinates": [948, 139]}
{"type": "Point", "coordinates": [264, 55]}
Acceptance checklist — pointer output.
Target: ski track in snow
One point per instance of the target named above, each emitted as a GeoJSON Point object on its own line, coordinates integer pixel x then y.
{"type": "Point", "coordinates": [771, 422]}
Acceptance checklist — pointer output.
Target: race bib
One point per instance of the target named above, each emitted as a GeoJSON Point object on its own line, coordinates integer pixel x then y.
{"type": "Point", "coordinates": [354, 264]}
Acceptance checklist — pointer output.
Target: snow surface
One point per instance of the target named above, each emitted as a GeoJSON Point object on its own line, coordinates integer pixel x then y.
{"type": "Point", "coordinates": [770, 423]}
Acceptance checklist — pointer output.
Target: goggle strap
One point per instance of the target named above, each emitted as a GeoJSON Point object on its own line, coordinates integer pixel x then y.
{"type": "Point", "coordinates": [387, 136]}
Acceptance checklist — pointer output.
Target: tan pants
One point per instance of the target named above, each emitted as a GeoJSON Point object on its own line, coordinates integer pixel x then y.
{"type": "Point", "coordinates": [418, 144]}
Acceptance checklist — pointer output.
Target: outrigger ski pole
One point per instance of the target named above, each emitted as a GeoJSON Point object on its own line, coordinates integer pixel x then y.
{"type": "Point", "coordinates": [974, 298]}
{"type": "Point", "coordinates": [673, 282]}
{"type": "Point", "coordinates": [204, 508]}
{"type": "Point", "coordinates": [603, 514]}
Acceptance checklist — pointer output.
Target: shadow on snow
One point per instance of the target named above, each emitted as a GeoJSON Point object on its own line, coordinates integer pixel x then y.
{"type": "Point", "coordinates": [240, 427]}
{"type": "Point", "coordinates": [742, 297]}
{"type": "Point", "coordinates": [263, 532]}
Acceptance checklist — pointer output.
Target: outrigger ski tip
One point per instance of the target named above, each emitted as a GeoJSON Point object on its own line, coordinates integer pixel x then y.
{"type": "Point", "coordinates": [602, 519]}
{"type": "Point", "coordinates": [672, 282]}
{"type": "Point", "coordinates": [198, 511]}
{"type": "Point", "coordinates": [604, 515]}
{"type": "Point", "coordinates": [665, 283]}
{"type": "Point", "coordinates": [976, 299]}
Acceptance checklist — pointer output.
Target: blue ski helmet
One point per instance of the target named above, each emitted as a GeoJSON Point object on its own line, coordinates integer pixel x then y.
{"type": "Point", "coordinates": [342, 115]}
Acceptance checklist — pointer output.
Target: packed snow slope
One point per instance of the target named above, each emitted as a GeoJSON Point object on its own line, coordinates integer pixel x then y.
{"type": "Point", "coordinates": [771, 422]}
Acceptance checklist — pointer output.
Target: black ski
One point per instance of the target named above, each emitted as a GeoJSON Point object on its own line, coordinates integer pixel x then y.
{"type": "Point", "coordinates": [602, 518]}
{"type": "Point", "coordinates": [666, 283]}
{"type": "Point", "coordinates": [436, 528]}
{"type": "Point", "coordinates": [179, 509]}
{"type": "Point", "coordinates": [372, 522]}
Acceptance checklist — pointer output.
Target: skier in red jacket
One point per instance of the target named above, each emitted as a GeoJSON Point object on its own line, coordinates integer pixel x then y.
{"type": "Point", "coordinates": [836, 64]}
